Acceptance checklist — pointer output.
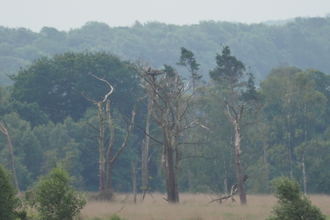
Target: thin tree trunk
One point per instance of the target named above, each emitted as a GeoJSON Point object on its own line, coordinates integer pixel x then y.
{"type": "Point", "coordinates": [169, 169]}
{"type": "Point", "coordinates": [176, 148]}
{"type": "Point", "coordinates": [289, 145]}
{"type": "Point", "coordinates": [189, 179]}
{"type": "Point", "coordinates": [100, 138]}
{"type": "Point", "coordinates": [225, 181]}
{"type": "Point", "coordinates": [101, 146]}
{"type": "Point", "coordinates": [111, 143]}
{"type": "Point", "coordinates": [111, 160]}
{"type": "Point", "coordinates": [235, 120]}
{"type": "Point", "coordinates": [239, 173]}
{"type": "Point", "coordinates": [11, 154]}
{"type": "Point", "coordinates": [134, 182]}
{"type": "Point", "coordinates": [303, 156]}
{"type": "Point", "coordinates": [145, 150]}
{"type": "Point", "coordinates": [304, 173]}
{"type": "Point", "coordinates": [289, 132]}
{"type": "Point", "coordinates": [264, 145]}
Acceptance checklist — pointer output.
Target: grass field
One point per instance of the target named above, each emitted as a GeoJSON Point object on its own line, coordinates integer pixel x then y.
{"type": "Point", "coordinates": [191, 207]}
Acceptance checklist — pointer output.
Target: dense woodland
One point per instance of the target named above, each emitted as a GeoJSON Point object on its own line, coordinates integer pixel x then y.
{"type": "Point", "coordinates": [273, 78]}
{"type": "Point", "coordinates": [302, 42]}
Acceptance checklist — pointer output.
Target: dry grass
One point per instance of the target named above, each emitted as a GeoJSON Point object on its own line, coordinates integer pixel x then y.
{"type": "Point", "coordinates": [191, 207]}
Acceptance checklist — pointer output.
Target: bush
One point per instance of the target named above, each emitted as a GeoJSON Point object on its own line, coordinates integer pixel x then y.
{"type": "Point", "coordinates": [8, 200]}
{"type": "Point", "coordinates": [55, 198]}
{"type": "Point", "coordinates": [291, 203]}
{"type": "Point", "coordinates": [116, 217]}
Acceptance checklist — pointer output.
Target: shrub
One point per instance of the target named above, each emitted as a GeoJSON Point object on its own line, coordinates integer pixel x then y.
{"type": "Point", "coordinates": [8, 200]}
{"type": "Point", "coordinates": [116, 217]}
{"type": "Point", "coordinates": [291, 203]}
{"type": "Point", "coordinates": [55, 198]}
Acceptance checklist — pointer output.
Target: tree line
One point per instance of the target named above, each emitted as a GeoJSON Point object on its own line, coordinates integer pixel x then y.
{"type": "Point", "coordinates": [199, 136]}
{"type": "Point", "coordinates": [302, 42]}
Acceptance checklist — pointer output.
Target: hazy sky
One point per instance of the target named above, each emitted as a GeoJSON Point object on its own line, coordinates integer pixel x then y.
{"type": "Point", "coordinates": [66, 14]}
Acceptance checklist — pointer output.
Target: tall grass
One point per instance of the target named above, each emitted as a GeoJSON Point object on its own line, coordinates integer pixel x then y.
{"type": "Point", "coordinates": [191, 207]}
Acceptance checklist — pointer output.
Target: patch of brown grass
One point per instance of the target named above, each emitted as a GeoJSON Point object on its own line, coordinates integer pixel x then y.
{"type": "Point", "coordinates": [191, 207]}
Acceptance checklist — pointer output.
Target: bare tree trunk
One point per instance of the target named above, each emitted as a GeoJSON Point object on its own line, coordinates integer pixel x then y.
{"type": "Point", "coordinates": [100, 138]}
{"type": "Point", "coordinates": [303, 156]}
{"type": "Point", "coordinates": [304, 173]}
{"type": "Point", "coordinates": [145, 150]}
{"type": "Point", "coordinates": [239, 173]}
{"type": "Point", "coordinates": [189, 177]}
{"type": "Point", "coordinates": [225, 181]}
{"type": "Point", "coordinates": [168, 110]}
{"type": "Point", "coordinates": [134, 182]}
{"type": "Point", "coordinates": [144, 166]}
{"type": "Point", "coordinates": [110, 159]}
{"type": "Point", "coordinates": [289, 145]}
{"type": "Point", "coordinates": [101, 146]}
{"type": "Point", "coordinates": [11, 154]}
{"type": "Point", "coordinates": [169, 170]}
{"type": "Point", "coordinates": [264, 145]}
{"type": "Point", "coordinates": [170, 177]}
{"type": "Point", "coordinates": [111, 142]}
{"type": "Point", "coordinates": [235, 120]}
{"type": "Point", "coordinates": [176, 145]}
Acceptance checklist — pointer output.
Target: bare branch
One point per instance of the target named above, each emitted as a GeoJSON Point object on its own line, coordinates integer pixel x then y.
{"type": "Point", "coordinates": [234, 190]}
{"type": "Point", "coordinates": [111, 87]}
{"type": "Point", "coordinates": [196, 121]}
{"type": "Point", "coordinates": [199, 156]}
{"type": "Point", "coordinates": [127, 134]}
{"type": "Point", "coordinates": [232, 108]}
{"type": "Point", "coordinates": [85, 96]}
{"type": "Point", "coordinates": [119, 210]}
{"type": "Point", "coordinates": [157, 141]}
{"type": "Point", "coordinates": [92, 126]}
{"type": "Point", "coordinates": [249, 123]}
{"type": "Point", "coordinates": [241, 112]}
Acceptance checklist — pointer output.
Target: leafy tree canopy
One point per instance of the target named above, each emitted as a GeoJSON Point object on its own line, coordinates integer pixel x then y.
{"type": "Point", "coordinates": [55, 84]}
{"type": "Point", "coordinates": [8, 200]}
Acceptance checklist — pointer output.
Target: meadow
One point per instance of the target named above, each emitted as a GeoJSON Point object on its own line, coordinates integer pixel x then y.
{"type": "Point", "coordinates": [191, 207]}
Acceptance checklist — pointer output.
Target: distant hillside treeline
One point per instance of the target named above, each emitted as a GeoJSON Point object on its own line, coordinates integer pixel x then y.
{"type": "Point", "coordinates": [303, 43]}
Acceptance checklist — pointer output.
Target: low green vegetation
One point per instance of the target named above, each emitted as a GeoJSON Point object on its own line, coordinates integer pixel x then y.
{"type": "Point", "coordinates": [115, 217]}
{"type": "Point", "coordinates": [292, 204]}
{"type": "Point", "coordinates": [8, 199]}
{"type": "Point", "coordinates": [54, 198]}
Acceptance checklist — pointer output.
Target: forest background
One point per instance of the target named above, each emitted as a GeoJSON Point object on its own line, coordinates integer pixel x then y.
{"type": "Point", "coordinates": [46, 118]}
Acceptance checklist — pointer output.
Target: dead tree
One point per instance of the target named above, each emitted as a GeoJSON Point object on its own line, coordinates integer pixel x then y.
{"type": "Point", "coordinates": [134, 171]}
{"type": "Point", "coordinates": [168, 109]}
{"type": "Point", "coordinates": [233, 191]}
{"type": "Point", "coordinates": [145, 152]}
{"type": "Point", "coordinates": [110, 158]}
{"type": "Point", "coordinates": [11, 154]}
{"type": "Point", "coordinates": [235, 118]}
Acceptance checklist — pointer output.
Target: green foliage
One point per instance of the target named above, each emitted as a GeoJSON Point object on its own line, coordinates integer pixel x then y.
{"type": "Point", "coordinates": [115, 217]}
{"type": "Point", "coordinates": [8, 200]}
{"type": "Point", "coordinates": [55, 84]}
{"type": "Point", "coordinates": [229, 69]}
{"type": "Point", "coordinates": [55, 198]}
{"type": "Point", "coordinates": [187, 59]}
{"type": "Point", "coordinates": [302, 42]}
{"type": "Point", "coordinates": [26, 148]}
{"type": "Point", "coordinates": [45, 116]}
{"type": "Point", "coordinates": [291, 203]}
